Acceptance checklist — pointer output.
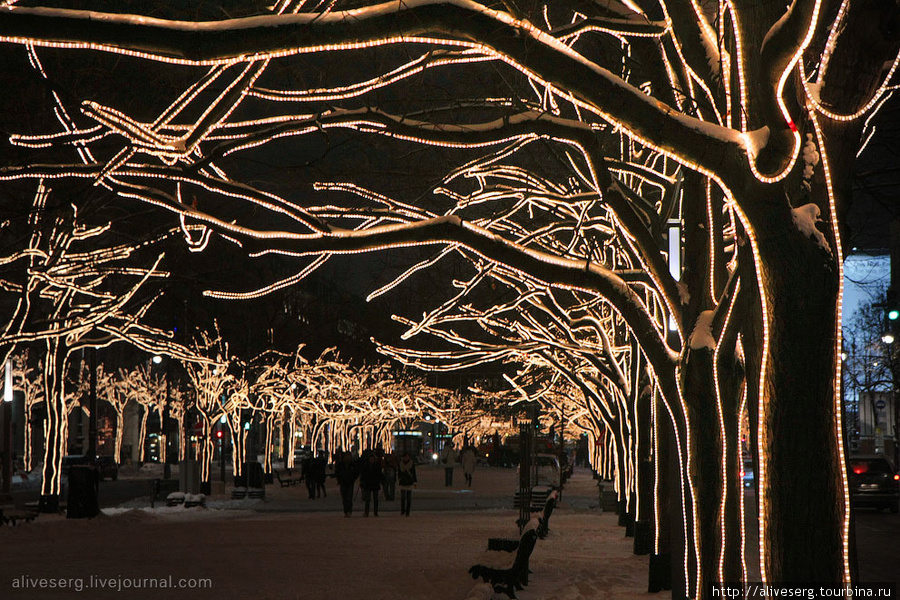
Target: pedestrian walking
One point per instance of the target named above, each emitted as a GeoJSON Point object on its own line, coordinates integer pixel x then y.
{"type": "Point", "coordinates": [468, 464]}
{"type": "Point", "coordinates": [449, 460]}
{"type": "Point", "coordinates": [345, 472]}
{"type": "Point", "coordinates": [308, 476]}
{"type": "Point", "coordinates": [370, 482]}
{"type": "Point", "coordinates": [389, 476]}
{"type": "Point", "coordinates": [320, 471]}
{"type": "Point", "coordinates": [406, 477]}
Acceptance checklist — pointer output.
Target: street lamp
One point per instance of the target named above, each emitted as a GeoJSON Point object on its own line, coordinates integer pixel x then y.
{"type": "Point", "coordinates": [8, 381]}
{"type": "Point", "coordinates": [157, 360]}
{"type": "Point", "coordinates": [888, 338]}
{"type": "Point", "coordinates": [7, 431]}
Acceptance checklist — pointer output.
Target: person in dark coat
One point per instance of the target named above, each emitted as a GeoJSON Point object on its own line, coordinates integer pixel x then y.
{"type": "Point", "coordinates": [370, 482]}
{"type": "Point", "coordinates": [345, 472]}
{"type": "Point", "coordinates": [389, 476]}
{"type": "Point", "coordinates": [319, 469]}
{"type": "Point", "coordinates": [307, 471]}
{"type": "Point", "coordinates": [449, 459]}
{"type": "Point", "coordinates": [406, 477]}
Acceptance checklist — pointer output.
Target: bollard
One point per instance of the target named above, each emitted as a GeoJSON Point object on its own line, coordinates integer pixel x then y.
{"type": "Point", "coordinates": [643, 537]}
{"type": "Point", "coordinates": [83, 501]}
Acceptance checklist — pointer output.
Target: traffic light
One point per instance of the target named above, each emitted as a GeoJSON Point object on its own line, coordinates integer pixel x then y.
{"type": "Point", "coordinates": [219, 434]}
{"type": "Point", "coordinates": [891, 311]}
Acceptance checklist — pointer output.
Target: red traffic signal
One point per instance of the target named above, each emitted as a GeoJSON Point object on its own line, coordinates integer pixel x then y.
{"type": "Point", "coordinates": [219, 434]}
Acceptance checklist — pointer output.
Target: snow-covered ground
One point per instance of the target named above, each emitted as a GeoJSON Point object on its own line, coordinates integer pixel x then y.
{"type": "Point", "coordinates": [290, 547]}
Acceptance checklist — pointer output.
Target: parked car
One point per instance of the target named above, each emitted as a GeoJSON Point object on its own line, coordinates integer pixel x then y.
{"type": "Point", "coordinates": [548, 470]}
{"type": "Point", "coordinates": [874, 483]}
{"type": "Point", "coordinates": [747, 475]}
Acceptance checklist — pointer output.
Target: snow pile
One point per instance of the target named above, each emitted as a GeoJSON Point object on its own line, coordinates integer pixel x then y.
{"type": "Point", "coordinates": [151, 469]}
{"type": "Point", "coordinates": [702, 336]}
{"type": "Point", "coordinates": [481, 591]}
{"type": "Point", "coordinates": [805, 218]}
{"type": "Point", "coordinates": [810, 159]}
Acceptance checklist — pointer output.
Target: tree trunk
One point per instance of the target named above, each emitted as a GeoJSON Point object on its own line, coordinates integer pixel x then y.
{"type": "Point", "coordinates": [706, 465]}
{"type": "Point", "coordinates": [207, 449]}
{"type": "Point", "coordinates": [163, 433]}
{"type": "Point", "coordinates": [732, 464]}
{"type": "Point", "coordinates": [802, 496]}
{"type": "Point", "coordinates": [182, 439]}
{"type": "Point", "coordinates": [661, 569]}
{"type": "Point", "coordinates": [55, 427]}
{"type": "Point", "coordinates": [142, 436]}
{"type": "Point", "coordinates": [287, 428]}
{"type": "Point", "coordinates": [28, 456]}
{"type": "Point", "coordinates": [120, 428]}
{"type": "Point", "coordinates": [270, 441]}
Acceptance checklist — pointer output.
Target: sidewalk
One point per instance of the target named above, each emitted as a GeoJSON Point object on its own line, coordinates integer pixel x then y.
{"type": "Point", "coordinates": [290, 547]}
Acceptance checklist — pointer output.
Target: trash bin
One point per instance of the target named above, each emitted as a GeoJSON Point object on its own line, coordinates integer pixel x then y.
{"type": "Point", "coordinates": [643, 537]}
{"type": "Point", "coordinates": [609, 499]}
{"type": "Point", "coordinates": [84, 488]}
{"type": "Point", "coordinates": [189, 477]}
{"type": "Point", "coordinates": [256, 477]}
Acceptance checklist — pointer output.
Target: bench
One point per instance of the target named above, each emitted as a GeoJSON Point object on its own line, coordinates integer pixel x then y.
{"type": "Point", "coordinates": [543, 527]}
{"type": "Point", "coordinates": [285, 479]}
{"type": "Point", "coordinates": [186, 500]}
{"type": "Point", "coordinates": [239, 493]}
{"type": "Point", "coordinates": [507, 581]}
{"type": "Point", "coordinates": [12, 517]}
{"type": "Point", "coordinates": [538, 497]}
{"type": "Point", "coordinates": [161, 490]}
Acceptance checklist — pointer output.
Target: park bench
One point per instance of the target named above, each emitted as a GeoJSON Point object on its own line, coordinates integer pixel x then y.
{"type": "Point", "coordinates": [507, 581]}
{"type": "Point", "coordinates": [539, 495]}
{"type": "Point", "coordinates": [161, 490]}
{"type": "Point", "coordinates": [186, 500]}
{"type": "Point", "coordinates": [285, 479]}
{"type": "Point", "coordinates": [241, 492]}
{"type": "Point", "coordinates": [251, 483]}
{"type": "Point", "coordinates": [12, 517]}
{"type": "Point", "coordinates": [543, 527]}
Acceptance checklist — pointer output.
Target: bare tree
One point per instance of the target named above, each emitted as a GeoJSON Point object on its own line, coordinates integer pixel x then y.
{"type": "Point", "coordinates": [762, 106]}
{"type": "Point", "coordinates": [74, 289]}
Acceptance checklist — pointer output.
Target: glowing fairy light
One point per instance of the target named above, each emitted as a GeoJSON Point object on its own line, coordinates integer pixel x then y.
{"type": "Point", "coordinates": [742, 413]}
{"type": "Point", "coordinates": [92, 285]}
{"type": "Point", "coordinates": [836, 383]}
{"type": "Point", "coordinates": [726, 442]}
{"type": "Point", "coordinates": [556, 244]}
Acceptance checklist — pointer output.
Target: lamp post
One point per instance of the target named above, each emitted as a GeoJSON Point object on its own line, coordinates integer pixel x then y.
{"type": "Point", "coordinates": [164, 420]}
{"type": "Point", "coordinates": [7, 431]}
{"type": "Point", "coordinates": [92, 407]}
